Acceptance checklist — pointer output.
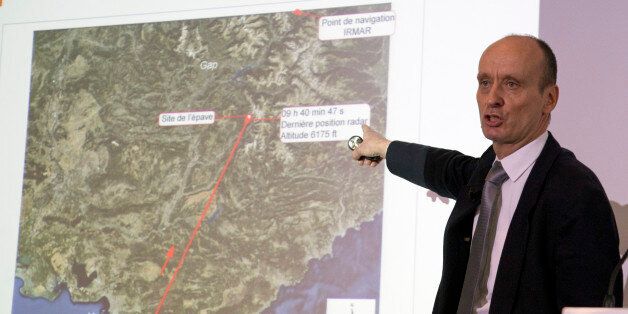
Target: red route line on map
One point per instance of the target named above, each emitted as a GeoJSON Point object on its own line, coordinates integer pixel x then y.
{"type": "Point", "coordinates": [298, 12]}
{"type": "Point", "coordinates": [247, 121]}
{"type": "Point", "coordinates": [242, 116]}
{"type": "Point", "coordinates": [266, 119]}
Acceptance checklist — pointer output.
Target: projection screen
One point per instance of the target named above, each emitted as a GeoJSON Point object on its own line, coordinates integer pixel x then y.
{"type": "Point", "coordinates": [192, 157]}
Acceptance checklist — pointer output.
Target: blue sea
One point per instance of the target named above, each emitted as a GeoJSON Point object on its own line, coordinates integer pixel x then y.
{"type": "Point", "coordinates": [63, 304]}
{"type": "Point", "coordinates": [351, 271]}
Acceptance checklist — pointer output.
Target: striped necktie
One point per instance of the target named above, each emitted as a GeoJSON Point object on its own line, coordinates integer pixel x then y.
{"type": "Point", "coordinates": [482, 244]}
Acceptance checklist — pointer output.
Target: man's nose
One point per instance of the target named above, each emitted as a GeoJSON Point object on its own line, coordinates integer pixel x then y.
{"type": "Point", "coordinates": [495, 98]}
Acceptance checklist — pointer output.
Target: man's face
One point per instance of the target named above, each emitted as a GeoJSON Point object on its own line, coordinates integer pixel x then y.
{"type": "Point", "coordinates": [513, 108]}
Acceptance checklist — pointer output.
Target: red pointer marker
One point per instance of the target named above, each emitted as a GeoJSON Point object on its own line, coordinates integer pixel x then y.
{"type": "Point", "coordinates": [298, 12]}
{"type": "Point", "coordinates": [169, 256]}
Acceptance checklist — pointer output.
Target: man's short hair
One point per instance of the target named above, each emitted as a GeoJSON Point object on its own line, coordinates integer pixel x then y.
{"type": "Point", "coordinates": [550, 67]}
{"type": "Point", "coordinates": [550, 70]}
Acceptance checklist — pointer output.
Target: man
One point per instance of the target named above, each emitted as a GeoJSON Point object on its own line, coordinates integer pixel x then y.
{"type": "Point", "coordinates": [544, 236]}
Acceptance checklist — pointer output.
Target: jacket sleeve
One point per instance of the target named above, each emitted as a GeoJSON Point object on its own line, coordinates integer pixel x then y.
{"type": "Point", "coordinates": [440, 170]}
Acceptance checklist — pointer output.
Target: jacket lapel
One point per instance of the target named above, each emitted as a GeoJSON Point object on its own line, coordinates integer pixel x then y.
{"type": "Point", "coordinates": [513, 254]}
{"type": "Point", "coordinates": [458, 237]}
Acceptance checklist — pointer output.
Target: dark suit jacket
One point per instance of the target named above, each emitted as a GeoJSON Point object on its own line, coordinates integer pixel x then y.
{"type": "Point", "coordinates": [562, 244]}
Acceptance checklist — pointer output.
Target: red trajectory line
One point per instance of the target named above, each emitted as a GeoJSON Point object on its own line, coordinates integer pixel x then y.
{"type": "Point", "coordinates": [252, 119]}
{"type": "Point", "coordinates": [232, 117]}
{"type": "Point", "coordinates": [266, 119]}
{"type": "Point", "coordinates": [298, 12]}
{"type": "Point", "coordinates": [169, 256]}
{"type": "Point", "coordinates": [247, 121]}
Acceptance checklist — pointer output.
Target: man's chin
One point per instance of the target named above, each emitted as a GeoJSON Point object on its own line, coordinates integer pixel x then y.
{"type": "Point", "coordinates": [491, 135]}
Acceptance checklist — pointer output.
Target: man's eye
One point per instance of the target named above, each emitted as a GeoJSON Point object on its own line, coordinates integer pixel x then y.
{"type": "Point", "coordinates": [484, 83]}
{"type": "Point", "coordinates": [511, 84]}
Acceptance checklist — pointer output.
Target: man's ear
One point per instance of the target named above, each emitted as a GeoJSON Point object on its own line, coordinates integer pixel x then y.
{"type": "Point", "coordinates": [550, 95]}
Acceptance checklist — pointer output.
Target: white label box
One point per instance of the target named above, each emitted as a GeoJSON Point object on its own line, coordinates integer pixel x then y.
{"type": "Point", "coordinates": [323, 123]}
{"type": "Point", "coordinates": [186, 118]}
{"type": "Point", "coordinates": [356, 25]}
{"type": "Point", "coordinates": [350, 306]}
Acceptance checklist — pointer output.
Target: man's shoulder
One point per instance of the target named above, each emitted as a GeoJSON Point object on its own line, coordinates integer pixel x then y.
{"type": "Point", "coordinates": [572, 188]}
{"type": "Point", "coordinates": [568, 169]}
{"type": "Point", "coordinates": [560, 165]}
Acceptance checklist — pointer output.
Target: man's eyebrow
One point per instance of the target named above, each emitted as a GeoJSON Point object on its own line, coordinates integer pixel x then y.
{"type": "Point", "coordinates": [482, 75]}
{"type": "Point", "coordinates": [511, 77]}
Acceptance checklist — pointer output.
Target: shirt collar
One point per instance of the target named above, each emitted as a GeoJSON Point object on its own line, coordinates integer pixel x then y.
{"type": "Point", "coordinates": [518, 162]}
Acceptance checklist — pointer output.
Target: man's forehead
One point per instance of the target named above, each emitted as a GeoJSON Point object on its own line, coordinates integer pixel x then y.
{"type": "Point", "coordinates": [516, 53]}
{"type": "Point", "coordinates": [515, 40]}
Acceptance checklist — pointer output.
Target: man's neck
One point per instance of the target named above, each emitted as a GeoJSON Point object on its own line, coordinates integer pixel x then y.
{"type": "Point", "coordinates": [504, 150]}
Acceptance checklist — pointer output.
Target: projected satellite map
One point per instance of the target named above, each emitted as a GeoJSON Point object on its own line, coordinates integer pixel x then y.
{"type": "Point", "coordinates": [224, 217]}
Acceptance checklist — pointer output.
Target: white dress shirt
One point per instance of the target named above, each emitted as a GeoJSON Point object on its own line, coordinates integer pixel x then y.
{"type": "Point", "coordinates": [518, 166]}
